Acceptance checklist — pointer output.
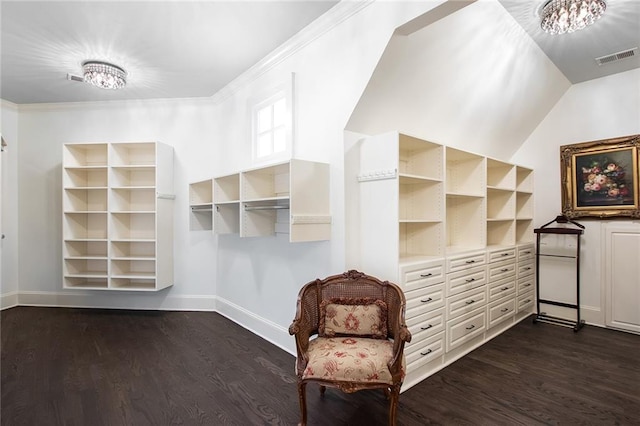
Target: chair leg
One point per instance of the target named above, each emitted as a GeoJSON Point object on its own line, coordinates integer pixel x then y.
{"type": "Point", "coordinates": [302, 396]}
{"type": "Point", "coordinates": [393, 404]}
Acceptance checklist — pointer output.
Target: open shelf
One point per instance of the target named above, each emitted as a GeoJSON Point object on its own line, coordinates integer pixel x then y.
{"type": "Point", "coordinates": [85, 226]}
{"type": "Point", "coordinates": [524, 179]}
{"type": "Point", "coordinates": [133, 268]}
{"type": "Point", "coordinates": [133, 154]}
{"type": "Point", "coordinates": [226, 188]}
{"type": "Point", "coordinates": [465, 223]}
{"type": "Point", "coordinates": [89, 249]}
{"type": "Point", "coordinates": [501, 233]}
{"type": "Point", "coordinates": [133, 250]}
{"type": "Point", "coordinates": [227, 218]}
{"type": "Point", "coordinates": [500, 175]}
{"type": "Point", "coordinates": [524, 231]}
{"type": "Point", "coordinates": [95, 268]}
{"type": "Point", "coordinates": [420, 199]}
{"type": "Point", "coordinates": [87, 283]}
{"type": "Point", "coordinates": [133, 226]}
{"type": "Point", "coordinates": [420, 239]}
{"type": "Point", "coordinates": [84, 200]}
{"type": "Point", "coordinates": [501, 204]}
{"type": "Point", "coordinates": [85, 155]}
{"type": "Point", "coordinates": [201, 193]}
{"type": "Point", "coordinates": [524, 205]}
{"type": "Point", "coordinates": [465, 173]}
{"type": "Point", "coordinates": [85, 177]}
{"type": "Point", "coordinates": [266, 183]}
{"type": "Point", "coordinates": [419, 158]}
{"type": "Point", "coordinates": [133, 200]}
{"type": "Point", "coordinates": [133, 176]}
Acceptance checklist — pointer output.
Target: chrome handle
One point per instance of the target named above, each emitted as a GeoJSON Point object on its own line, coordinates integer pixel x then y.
{"type": "Point", "coordinates": [425, 275]}
{"type": "Point", "coordinates": [426, 328]}
{"type": "Point", "coordinates": [426, 300]}
{"type": "Point", "coordinates": [471, 327]}
{"type": "Point", "coordinates": [468, 302]}
{"type": "Point", "coordinates": [426, 353]}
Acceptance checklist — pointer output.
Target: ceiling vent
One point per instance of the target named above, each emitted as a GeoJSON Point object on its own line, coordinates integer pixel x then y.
{"type": "Point", "coordinates": [617, 56]}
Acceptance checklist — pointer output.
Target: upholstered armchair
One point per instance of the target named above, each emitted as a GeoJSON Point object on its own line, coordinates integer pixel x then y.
{"type": "Point", "coordinates": [350, 334]}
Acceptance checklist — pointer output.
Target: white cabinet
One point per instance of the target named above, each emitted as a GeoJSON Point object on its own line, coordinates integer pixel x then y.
{"type": "Point", "coordinates": [621, 254]}
{"type": "Point", "coordinates": [118, 216]}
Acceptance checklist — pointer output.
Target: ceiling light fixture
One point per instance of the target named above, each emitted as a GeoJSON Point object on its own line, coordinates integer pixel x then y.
{"type": "Point", "coordinates": [567, 16]}
{"type": "Point", "coordinates": [104, 75]}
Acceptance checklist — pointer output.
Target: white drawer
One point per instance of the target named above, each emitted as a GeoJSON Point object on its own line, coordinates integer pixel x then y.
{"type": "Point", "coordinates": [460, 281]}
{"type": "Point", "coordinates": [525, 252]}
{"type": "Point", "coordinates": [426, 325]}
{"type": "Point", "coordinates": [525, 268]}
{"type": "Point", "coordinates": [500, 311]}
{"type": "Point", "coordinates": [499, 270]}
{"type": "Point", "coordinates": [526, 284]}
{"type": "Point", "coordinates": [501, 288]}
{"type": "Point", "coordinates": [502, 254]}
{"type": "Point", "coordinates": [525, 302]}
{"type": "Point", "coordinates": [423, 300]}
{"type": "Point", "coordinates": [466, 302]}
{"type": "Point", "coordinates": [426, 351]}
{"type": "Point", "coordinates": [458, 263]}
{"type": "Point", "coordinates": [422, 274]}
{"type": "Point", "coordinates": [466, 328]}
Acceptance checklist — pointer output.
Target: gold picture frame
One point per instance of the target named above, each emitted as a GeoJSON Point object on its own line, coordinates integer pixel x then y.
{"type": "Point", "coordinates": [600, 178]}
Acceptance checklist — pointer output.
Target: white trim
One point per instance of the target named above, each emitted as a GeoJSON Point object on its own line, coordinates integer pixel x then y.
{"type": "Point", "coordinates": [58, 106]}
{"type": "Point", "coordinates": [8, 105]}
{"type": "Point", "coordinates": [258, 325]}
{"type": "Point", "coordinates": [8, 300]}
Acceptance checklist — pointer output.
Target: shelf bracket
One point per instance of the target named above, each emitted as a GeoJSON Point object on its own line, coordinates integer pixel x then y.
{"type": "Point", "coordinates": [310, 219]}
{"type": "Point", "coordinates": [378, 175]}
{"type": "Point", "coordinates": [165, 196]}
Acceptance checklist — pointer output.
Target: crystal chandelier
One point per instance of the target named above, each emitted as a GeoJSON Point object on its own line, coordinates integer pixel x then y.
{"type": "Point", "coordinates": [567, 16]}
{"type": "Point", "coordinates": [104, 75]}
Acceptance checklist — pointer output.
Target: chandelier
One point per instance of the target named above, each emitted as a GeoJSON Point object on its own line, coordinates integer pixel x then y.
{"type": "Point", "coordinates": [104, 75]}
{"type": "Point", "coordinates": [567, 16]}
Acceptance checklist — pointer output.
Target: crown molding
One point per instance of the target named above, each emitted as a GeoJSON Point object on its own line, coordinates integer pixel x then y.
{"type": "Point", "coordinates": [60, 106]}
{"type": "Point", "coordinates": [325, 23]}
{"type": "Point", "coordinates": [9, 105]}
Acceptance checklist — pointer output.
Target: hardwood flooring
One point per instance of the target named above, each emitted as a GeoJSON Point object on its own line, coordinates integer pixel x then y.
{"type": "Point", "coordinates": [109, 367]}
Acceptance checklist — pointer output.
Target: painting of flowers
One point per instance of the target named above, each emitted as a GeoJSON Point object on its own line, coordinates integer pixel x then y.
{"type": "Point", "coordinates": [600, 178]}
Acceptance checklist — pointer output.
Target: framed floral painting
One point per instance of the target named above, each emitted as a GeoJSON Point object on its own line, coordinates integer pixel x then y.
{"type": "Point", "coordinates": [600, 178]}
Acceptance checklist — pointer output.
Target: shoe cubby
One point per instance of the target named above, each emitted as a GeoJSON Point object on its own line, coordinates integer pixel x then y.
{"type": "Point", "coordinates": [138, 176]}
{"type": "Point", "coordinates": [85, 155]}
{"type": "Point", "coordinates": [226, 189]}
{"type": "Point", "coordinates": [133, 268]}
{"type": "Point", "coordinates": [133, 200]}
{"type": "Point", "coordinates": [133, 226]}
{"type": "Point", "coordinates": [84, 226]}
{"type": "Point", "coordinates": [524, 231]}
{"type": "Point", "coordinates": [420, 158]}
{"type": "Point", "coordinates": [86, 283]}
{"type": "Point", "coordinates": [269, 183]}
{"type": "Point", "coordinates": [133, 250]}
{"type": "Point", "coordinates": [524, 179]}
{"type": "Point", "coordinates": [501, 233]}
{"type": "Point", "coordinates": [419, 241]}
{"type": "Point", "coordinates": [420, 199]}
{"type": "Point", "coordinates": [85, 267]}
{"type": "Point", "coordinates": [524, 205]}
{"type": "Point", "coordinates": [84, 200]}
{"type": "Point", "coordinates": [85, 249]}
{"type": "Point", "coordinates": [84, 177]}
{"type": "Point", "coordinates": [133, 154]}
{"type": "Point", "coordinates": [500, 175]}
{"type": "Point", "coordinates": [466, 223]}
{"type": "Point", "coordinates": [465, 173]}
{"type": "Point", "coordinates": [501, 204]}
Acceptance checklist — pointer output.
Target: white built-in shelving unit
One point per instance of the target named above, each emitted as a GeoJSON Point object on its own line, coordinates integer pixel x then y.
{"type": "Point", "coordinates": [285, 198]}
{"type": "Point", "coordinates": [117, 216]}
{"type": "Point", "coordinates": [454, 229]}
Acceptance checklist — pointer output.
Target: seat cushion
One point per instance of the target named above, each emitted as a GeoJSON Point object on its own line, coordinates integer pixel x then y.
{"type": "Point", "coordinates": [349, 359]}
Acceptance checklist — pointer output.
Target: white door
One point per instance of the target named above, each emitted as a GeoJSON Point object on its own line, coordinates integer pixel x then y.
{"type": "Point", "coordinates": [622, 276]}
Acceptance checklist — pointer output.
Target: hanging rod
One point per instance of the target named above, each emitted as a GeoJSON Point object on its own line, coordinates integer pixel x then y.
{"type": "Point", "coordinates": [201, 209]}
{"type": "Point", "coordinates": [274, 207]}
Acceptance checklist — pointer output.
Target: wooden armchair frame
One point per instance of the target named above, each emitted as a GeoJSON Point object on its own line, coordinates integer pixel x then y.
{"type": "Point", "coordinates": [351, 284]}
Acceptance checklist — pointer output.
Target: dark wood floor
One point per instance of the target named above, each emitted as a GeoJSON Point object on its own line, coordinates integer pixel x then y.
{"type": "Point", "coordinates": [96, 367]}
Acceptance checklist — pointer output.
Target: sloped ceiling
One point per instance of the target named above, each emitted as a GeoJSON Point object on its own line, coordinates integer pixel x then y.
{"type": "Point", "coordinates": [482, 88]}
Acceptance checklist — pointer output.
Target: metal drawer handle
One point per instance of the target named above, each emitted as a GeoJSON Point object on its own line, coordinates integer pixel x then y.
{"type": "Point", "coordinates": [504, 288]}
{"type": "Point", "coordinates": [426, 353]}
{"type": "Point", "coordinates": [426, 300]}
{"type": "Point", "coordinates": [425, 275]}
{"type": "Point", "coordinates": [526, 252]}
{"type": "Point", "coordinates": [470, 280]}
{"type": "Point", "coordinates": [470, 261]}
{"type": "Point", "coordinates": [426, 328]}
{"type": "Point", "coordinates": [468, 302]}
{"type": "Point", "coordinates": [526, 285]}
{"type": "Point", "coordinates": [504, 254]}
{"type": "Point", "coordinates": [471, 327]}
{"type": "Point", "coordinates": [527, 301]}
{"type": "Point", "coordinates": [504, 270]}
{"type": "Point", "coordinates": [504, 310]}
{"type": "Point", "coordinates": [527, 268]}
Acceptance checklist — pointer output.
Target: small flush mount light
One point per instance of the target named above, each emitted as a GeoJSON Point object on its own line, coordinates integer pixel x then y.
{"type": "Point", "coordinates": [104, 75]}
{"type": "Point", "coordinates": [567, 16]}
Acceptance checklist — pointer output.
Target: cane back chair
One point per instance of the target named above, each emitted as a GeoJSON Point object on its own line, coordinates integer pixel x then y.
{"type": "Point", "coordinates": [359, 334]}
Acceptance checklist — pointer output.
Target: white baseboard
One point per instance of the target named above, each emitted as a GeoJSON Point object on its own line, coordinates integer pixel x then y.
{"type": "Point", "coordinates": [258, 325]}
{"type": "Point", "coordinates": [111, 300]}
{"type": "Point", "coordinates": [8, 300]}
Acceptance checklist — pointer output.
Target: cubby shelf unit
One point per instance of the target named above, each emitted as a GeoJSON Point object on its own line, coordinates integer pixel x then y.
{"type": "Point", "coordinates": [117, 216]}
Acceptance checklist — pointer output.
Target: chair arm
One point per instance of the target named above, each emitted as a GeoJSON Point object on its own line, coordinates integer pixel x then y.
{"type": "Point", "coordinates": [403, 335]}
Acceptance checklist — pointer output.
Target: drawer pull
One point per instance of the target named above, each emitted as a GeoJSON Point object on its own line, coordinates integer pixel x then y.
{"type": "Point", "coordinates": [426, 328]}
{"type": "Point", "coordinates": [504, 270]}
{"type": "Point", "coordinates": [468, 262]}
{"type": "Point", "coordinates": [526, 252]}
{"type": "Point", "coordinates": [527, 268]}
{"type": "Point", "coordinates": [504, 254]}
{"type": "Point", "coordinates": [504, 288]}
{"type": "Point", "coordinates": [425, 275]}
{"type": "Point", "coordinates": [527, 301]}
{"type": "Point", "coordinates": [526, 285]}
{"type": "Point", "coordinates": [426, 353]}
{"type": "Point", "coordinates": [504, 310]}
{"type": "Point", "coordinates": [426, 300]}
{"type": "Point", "coordinates": [471, 327]}
{"type": "Point", "coordinates": [468, 302]}
{"type": "Point", "coordinates": [470, 280]}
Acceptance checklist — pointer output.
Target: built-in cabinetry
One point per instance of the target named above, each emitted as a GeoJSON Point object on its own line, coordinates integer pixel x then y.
{"type": "Point", "coordinates": [289, 198]}
{"type": "Point", "coordinates": [117, 216]}
{"type": "Point", "coordinates": [454, 229]}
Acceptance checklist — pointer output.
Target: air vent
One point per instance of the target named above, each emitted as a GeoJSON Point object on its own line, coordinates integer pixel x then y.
{"type": "Point", "coordinates": [617, 56]}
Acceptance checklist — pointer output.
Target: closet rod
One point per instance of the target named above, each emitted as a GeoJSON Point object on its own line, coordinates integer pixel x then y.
{"type": "Point", "coordinates": [275, 207]}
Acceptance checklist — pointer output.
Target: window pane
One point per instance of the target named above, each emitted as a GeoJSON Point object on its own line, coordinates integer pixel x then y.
{"type": "Point", "coordinates": [264, 119]}
{"type": "Point", "coordinates": [264, 145]}
{"type": "Point", "coordinates": [279, 112]}
{"type": "Point", "coordinates": [279, 139]}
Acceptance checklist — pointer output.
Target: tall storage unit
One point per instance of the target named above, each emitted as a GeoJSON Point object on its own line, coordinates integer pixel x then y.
{"type": "Point", "coordinates": [454, 230]}
{"type": "Point", "coordinates": [118, 216]}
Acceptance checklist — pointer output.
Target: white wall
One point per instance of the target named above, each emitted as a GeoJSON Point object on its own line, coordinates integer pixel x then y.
{"type": "Point", "coordinates": [598, 109]}
{"type": "Point", "coordinates": [9, 205]}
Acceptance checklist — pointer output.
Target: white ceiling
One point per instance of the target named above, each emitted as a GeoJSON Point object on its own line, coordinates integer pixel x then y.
{"type": "Point", "coordinates": [181, 49]}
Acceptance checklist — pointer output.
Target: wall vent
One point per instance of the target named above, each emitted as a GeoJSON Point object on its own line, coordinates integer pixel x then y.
{"type": "Point", "coordinates": [617, 56]}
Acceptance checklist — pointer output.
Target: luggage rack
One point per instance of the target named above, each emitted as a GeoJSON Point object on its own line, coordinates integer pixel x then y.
{"type": "Point", "coordinates": [577, 230]}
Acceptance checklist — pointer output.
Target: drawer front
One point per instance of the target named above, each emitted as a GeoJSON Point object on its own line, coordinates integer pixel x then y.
{"type": "Point", "coordinates": [525, 268]}
{"type": "Point", "coordinates": [458, 282]}
{"type": "Point", "coordinates": [526, 302]}
{"type": "Point", "coordinates": [466, 302]}
{"type": "Point", "coordinates": [423, 300]}
{"type": "Point", "coordinates": [500, 311]}
{"type": "Point", "coordinates": [427, 351]}
{"type": "Point", "coordinates": [526, 284]}
{"type": "Point", "coordinates": [526, 252]}
{"type": "Point", "coordinates": [420, 275]}
{"type": "Point", "coordinates": [506, 268]}
{"type": "Point", "coordinates": [459, 263]}
{"type": "Point", "coordinates": [426, 325]}
{"type": "Point", "coordinates": [502, 288]}
{"type": "Point", "coordinates": [466, 328]}
{"type": "Point", "coordinates": [503, 254]}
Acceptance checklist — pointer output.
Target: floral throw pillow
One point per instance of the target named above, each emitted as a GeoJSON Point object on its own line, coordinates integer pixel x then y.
{"type": "Point", "coordinates": [366, 317]}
